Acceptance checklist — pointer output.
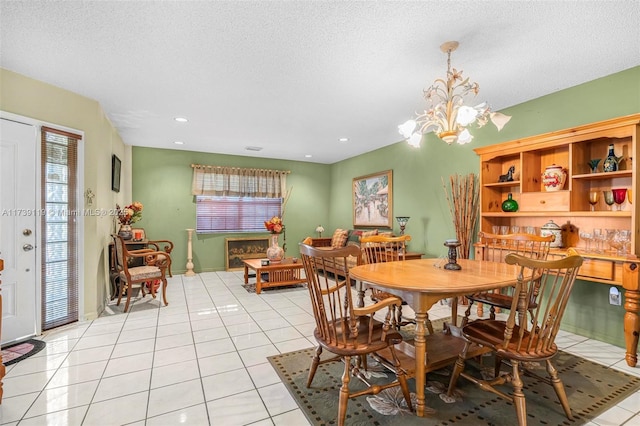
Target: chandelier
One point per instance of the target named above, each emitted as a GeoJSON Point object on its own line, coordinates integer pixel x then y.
{"type": "Point", "coordinates": [447, 116]}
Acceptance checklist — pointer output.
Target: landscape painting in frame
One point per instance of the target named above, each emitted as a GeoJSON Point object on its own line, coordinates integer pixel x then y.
{"type": "Point", "coordinates": [372, 200]}
{"type": "Point", "coordinates": [239, 249]}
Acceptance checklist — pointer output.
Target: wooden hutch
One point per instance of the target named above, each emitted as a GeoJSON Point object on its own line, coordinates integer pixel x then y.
{"type": "Point", "coordinates": [572, 149]}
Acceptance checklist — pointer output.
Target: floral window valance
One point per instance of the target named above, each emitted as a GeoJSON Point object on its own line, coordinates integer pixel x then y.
{"type": "Point", "coordinates": [238, 182]}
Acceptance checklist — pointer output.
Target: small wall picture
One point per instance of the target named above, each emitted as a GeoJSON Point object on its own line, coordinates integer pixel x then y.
{"type": "Point", "coordinates": [116, 165]}
{"type": "Point", "coordinates": [238, 249]}
{"type": "Point", "coordinates": [372, 200]}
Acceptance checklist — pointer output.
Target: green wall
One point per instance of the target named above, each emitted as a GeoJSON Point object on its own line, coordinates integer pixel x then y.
{"type": "Point", "coordinates": [418, 191]}
{"type": "Point", "coordinates": [322, 193]}
{"type": "Point", "coordinates": [162, 182]}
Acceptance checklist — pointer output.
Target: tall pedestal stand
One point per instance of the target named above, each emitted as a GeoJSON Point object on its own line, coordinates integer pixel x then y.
{"type": "Point", "coordinates": [189, 272]}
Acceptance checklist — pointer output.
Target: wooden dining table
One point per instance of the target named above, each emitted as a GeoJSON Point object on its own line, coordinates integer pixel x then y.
{"type": "Point", "coordinates": [422, 283]}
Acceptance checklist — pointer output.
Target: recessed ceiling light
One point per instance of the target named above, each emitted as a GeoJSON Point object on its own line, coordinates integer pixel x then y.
{"type": "Point", "coordinates": [181, 119]}
{"type": "Point", "coordinates": [253, 148]}
{"type": "Point", "coordinates": [308, 156]}
{"type": "Point", "coordinates": [344, 139]}
{"type": "Point", "coordinates": [179, 143]}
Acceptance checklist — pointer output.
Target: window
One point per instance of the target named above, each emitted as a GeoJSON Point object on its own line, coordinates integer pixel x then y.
{"type": "Point", "coordinates": [234, 214]}
{"type": "Point", "coordinates": [59, 228]}
{"type": "Point", "coordinates": [231, 199]}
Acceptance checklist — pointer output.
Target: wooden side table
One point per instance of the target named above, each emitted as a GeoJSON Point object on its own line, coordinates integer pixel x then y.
{"type": "Point", "coordinates": [286, 272]}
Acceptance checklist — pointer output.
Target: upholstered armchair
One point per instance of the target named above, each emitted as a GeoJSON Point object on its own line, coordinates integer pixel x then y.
{"type": "Point", "coordinates": [154, 267]}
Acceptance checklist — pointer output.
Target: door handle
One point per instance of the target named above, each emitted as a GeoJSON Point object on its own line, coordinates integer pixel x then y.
{"type": "Point", "coordinates": [27, 247]}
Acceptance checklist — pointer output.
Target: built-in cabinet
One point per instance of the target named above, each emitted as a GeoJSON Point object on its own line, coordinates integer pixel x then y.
{"type": "Point", "coordinates": [572, 149]}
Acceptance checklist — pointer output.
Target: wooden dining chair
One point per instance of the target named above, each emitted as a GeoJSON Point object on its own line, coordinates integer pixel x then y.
{"type": "Point", "coordinates": [518, 341]}
{"type": "Point", "coordinates": [154, 267]}
{"type": "Point", "coordinates": [380, 248]}
{"type": "Point", "coordinates": [348, 332]}
{"type": "Point", "coordinates": [496, 248]}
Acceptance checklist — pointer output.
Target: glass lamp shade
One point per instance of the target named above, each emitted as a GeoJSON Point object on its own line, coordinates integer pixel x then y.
{"type": "Point", "coordinates": [402, 221]}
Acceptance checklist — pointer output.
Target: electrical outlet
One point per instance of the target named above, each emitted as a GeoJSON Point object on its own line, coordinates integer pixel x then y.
{"type": "Point", "coordinates": [615, 298]}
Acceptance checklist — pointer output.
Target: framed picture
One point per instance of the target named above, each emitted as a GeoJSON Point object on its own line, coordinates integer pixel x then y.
{"type": "Point", "coordinates": [238, 249]}
{"type": "Point", "coordinates": [372, 200]}
{"type": "Point", "coordinates": [116, 165]}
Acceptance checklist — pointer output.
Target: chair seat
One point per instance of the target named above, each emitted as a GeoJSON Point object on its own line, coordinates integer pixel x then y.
{"type": "Point", "coordinates": [142, 272]}
{"type": "Point", "coordinates": [491, 333]}
{"type": "Point", "coordinates": [498, 300]}
{"type": "Point", "coordinates": [381, 295]}
{"type": "Point", "coordinates": [365, 342]}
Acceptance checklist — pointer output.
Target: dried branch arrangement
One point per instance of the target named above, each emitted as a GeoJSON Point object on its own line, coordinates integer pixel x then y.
{"type": "Point", "coordinates": [463, 198]}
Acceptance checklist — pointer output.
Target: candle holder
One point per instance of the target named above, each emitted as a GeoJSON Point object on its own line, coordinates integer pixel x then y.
{"type": "Point", "coordinates": [402, 221]}
{"type": "Point", "coordinates": [453, 255]}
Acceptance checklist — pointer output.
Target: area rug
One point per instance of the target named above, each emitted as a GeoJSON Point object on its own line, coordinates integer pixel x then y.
{"type": "Point", "coordinates": [591, 389]}
{"type": "Point", "coordinates": [20, 351]}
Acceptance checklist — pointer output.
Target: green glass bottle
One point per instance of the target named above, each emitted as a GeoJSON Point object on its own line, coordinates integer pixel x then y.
{"type": "Point", "coordinates": [509, 205]}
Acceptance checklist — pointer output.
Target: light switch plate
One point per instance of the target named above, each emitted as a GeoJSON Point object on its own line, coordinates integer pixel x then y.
{"type": "Point", "coordinates": [615, 298]}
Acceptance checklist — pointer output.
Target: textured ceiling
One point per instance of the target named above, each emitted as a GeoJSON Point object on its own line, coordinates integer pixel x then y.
{"type": "Point", "coordinates": [294, 77]}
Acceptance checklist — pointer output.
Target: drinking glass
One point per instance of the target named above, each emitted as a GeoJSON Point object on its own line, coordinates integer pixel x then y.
{"type": "Point", "coordinates": [619, 196]}
{"type": "Point", "coordinates": [593, 165]}
{"type": "Point", "coordinates": [608, 198]}
{"type": "Point", "coordinates": [598, 239]}
{"type": "Point", "coordinates": [593, 199]}
{"type": "Point", "coordinates": [611, 239]}
{"type": "Point", "coordinates": [496, 231]}
{"type": "Point", "coordinates": [504, 230]}
{"type": "Point", "coordinates": [620, 239]}
{"type": "Point", "coordinates": [586, 237]}
{"type": "Point", "coordinates": [530, 230]}
{"type": "Point", "coordinates": [515, 229]}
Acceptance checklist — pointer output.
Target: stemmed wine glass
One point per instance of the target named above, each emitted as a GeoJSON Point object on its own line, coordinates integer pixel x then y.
{"type": "Point", "coordinates": [608, 198]}
{"type": "Point", "coordinates": [593, 199]}
{"type": "Point", "coordinates": [586, 237]}
{"type": "Point", "coordinates": [619, 196]}
{"type": "Point", "coordinates": [598, 238]}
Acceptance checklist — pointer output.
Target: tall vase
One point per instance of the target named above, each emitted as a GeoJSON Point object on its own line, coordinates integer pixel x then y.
{"type": "Point", "coordinates": [275, 253]}
{"type": "Point", "coordinates": [125, 232]}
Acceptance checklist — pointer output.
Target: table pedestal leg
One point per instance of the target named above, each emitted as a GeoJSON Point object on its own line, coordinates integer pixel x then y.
{"type": "Point", "coordinates": [360, 292]}
{"type": "Point", "coordinates": [421, 350]}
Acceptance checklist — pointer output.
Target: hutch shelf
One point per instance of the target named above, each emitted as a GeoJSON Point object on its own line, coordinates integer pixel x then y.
{"type": "Point", "coordinates": [572, 149]}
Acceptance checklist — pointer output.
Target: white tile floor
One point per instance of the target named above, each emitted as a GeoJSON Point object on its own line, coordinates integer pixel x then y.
{"type": "Point", "coordinates": [201, 360]}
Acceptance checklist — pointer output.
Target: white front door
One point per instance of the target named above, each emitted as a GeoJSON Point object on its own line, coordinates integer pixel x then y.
{"type": "Point", "coordinates": [18, 219]}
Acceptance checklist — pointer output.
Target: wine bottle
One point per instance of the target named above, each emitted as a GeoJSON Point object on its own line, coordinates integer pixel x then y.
{"type": "Point", "coordinates": [611, 162]}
